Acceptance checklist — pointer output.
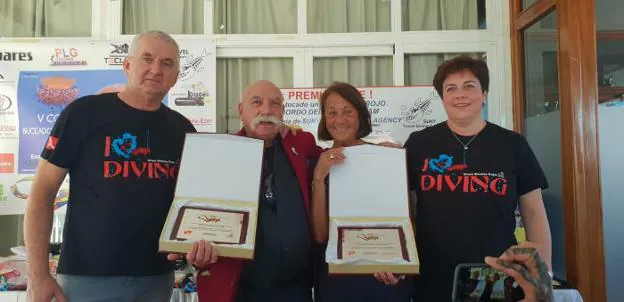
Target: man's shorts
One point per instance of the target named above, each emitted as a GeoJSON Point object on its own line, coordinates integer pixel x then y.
{"type": "Point", "coordinates": [156, 288]}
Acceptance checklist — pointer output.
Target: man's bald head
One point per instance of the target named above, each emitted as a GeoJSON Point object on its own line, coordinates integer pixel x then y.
{"type": "Point", "coordinates": [261, 110]}
{"type": "Point", "coordinates": [264, 87]}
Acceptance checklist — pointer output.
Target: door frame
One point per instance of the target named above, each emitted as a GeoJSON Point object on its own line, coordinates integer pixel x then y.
{"type": "Point", "coordinates": [578, 95]}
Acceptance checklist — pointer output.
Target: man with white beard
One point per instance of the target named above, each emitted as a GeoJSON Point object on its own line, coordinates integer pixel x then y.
{"type": "Point", "coordinates": [281, 269]}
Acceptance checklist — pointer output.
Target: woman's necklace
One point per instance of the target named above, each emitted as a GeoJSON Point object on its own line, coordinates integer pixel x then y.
{"type": "Point", "coordinates": [466, 145]}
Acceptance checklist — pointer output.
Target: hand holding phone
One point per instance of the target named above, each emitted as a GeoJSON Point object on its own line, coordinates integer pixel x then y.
{"type": "Point", "coordinates": [524, 264]}
{"type": "Point", "coordinates": [478, 282]}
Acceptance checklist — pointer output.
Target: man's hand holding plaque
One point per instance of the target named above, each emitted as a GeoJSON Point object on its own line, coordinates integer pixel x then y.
{"type": "Point", "coordinates": [214, 202]}
{"type": "Point", "coordinates": [202, 254]}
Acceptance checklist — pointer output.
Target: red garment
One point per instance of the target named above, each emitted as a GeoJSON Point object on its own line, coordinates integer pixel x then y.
{"type": "Point", "coordinates": [222, 283]}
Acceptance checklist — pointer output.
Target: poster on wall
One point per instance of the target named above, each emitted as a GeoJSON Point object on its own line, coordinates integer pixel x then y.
{"type": "Point", "coordinates": [37, 80]}
{"type": "Point", "coordinates": [395, 111]}
{"type": "Point", "coordinates": [43, 95]}
{"type": "Point", "coordinates": [194, 93]}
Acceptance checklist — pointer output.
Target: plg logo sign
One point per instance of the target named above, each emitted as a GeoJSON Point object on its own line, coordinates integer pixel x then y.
{"type": "Point", "coordinates": [66, 57]}
{"type": "Point", "coordinates": [117, 55]}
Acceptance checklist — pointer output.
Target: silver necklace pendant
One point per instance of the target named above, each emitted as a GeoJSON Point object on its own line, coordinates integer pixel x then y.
{"type": "Point", "coordinates": [462, 143]}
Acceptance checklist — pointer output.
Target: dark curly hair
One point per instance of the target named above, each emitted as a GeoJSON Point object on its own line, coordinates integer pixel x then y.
{"type": "Point", "coordinates": [477, 67]}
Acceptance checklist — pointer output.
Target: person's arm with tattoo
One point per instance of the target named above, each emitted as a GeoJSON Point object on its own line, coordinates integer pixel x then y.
{"type": "Point", "coordinates": [524, 264]}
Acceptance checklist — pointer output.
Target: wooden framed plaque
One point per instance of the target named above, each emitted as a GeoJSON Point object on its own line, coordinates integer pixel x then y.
{"type": "Point", "coordinates": [211, 224]}
{"type": "Point", "coordinates": [372, 243]}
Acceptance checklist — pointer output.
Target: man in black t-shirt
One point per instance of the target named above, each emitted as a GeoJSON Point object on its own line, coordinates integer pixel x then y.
{"type": "Point", "coordinates": [122, 153]}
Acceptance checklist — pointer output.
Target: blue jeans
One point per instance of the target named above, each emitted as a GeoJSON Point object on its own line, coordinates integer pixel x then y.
{"type": "Point", "coordinates": [156, 288]}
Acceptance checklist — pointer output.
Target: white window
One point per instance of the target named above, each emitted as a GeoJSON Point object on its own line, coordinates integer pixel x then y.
{"type": "Point", "coordinates": [364, 42]}
{"type": "Point", "coordinates": [255, 17]}
{"type": "Point", "coordinates": [45, 18]}
{"type": "Point", "coordinates": [343, 16]}
{"type": "Point", "coordinates": [234, 74]}
{"type": "Point", "coordinates": [171, 16]}
{"type": "Point", "coordinates": [421, 15]}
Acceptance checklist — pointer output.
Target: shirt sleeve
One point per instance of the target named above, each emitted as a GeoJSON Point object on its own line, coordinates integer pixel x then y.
{"type": "Point", "coordinates": [62, 146]}
{"type": "Point", "coordinates": [530, 174]}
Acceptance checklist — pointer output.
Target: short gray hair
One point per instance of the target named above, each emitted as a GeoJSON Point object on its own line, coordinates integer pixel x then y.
{"type": "Point", "coordinates": [153, 34]}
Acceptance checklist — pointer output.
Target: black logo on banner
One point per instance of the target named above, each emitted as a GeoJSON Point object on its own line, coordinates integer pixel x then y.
{"type": "Point", "coordinates": [193, 98]}
{"type": "Point", "coordinates": [117, 55]}
{"type": "Point", "coordinates": [120, 48]}
{"type": "Point", "coordinates": [19, 56]}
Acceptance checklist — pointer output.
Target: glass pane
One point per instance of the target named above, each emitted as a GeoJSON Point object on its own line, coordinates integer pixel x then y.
{"type": "Point", "coordinates": [610, 65]}
{"type": "Point", "coordinates": [548, 22]}
{"type": "Point", "coordinates": [542, 126]}
{"type": "Point", "coordinates": [610, 52]}
{"type": "Point", "coordinates": [255, 16]}
{"type": "Point", "coordinates": [170, 16]}
{"type": "Point", "coordinates": [236, 74]}
{"type": "Point", "coordinates": [341, 16]}
{"type": "Point", "coordinates": [68, 18]}
{"type": "Point", "coordinates": [610, 49]}
{"type": "Point", "coordinates": [420, 68]}
{"type": "Point", "coordinates": [420, 15]}
{"type": "Point", "coordinates": [527, 3]}
{"type": "Point", "coordinates": [358, 71]}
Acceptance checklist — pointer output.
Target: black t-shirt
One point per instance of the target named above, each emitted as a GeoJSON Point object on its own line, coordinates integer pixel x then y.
{"type": "Point", "coordinates": [466, 198]}
{"type": "Point", "coordinates": [122, 165]}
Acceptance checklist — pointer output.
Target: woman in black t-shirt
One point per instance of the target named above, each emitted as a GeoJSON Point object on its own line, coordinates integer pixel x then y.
{"type": "Point", "coordinates": [469, 176]}
{"type": "Point", "coordinates": [345, 119]}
